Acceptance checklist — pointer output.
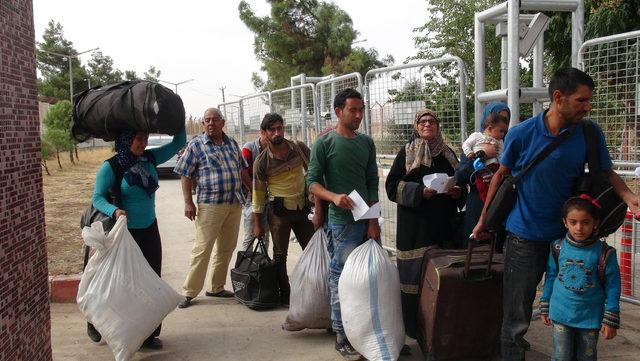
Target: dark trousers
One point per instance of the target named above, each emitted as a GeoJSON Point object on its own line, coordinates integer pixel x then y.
{"type": "Point", "coordinates": [280, 226]}
{"type": "Point", "coordinates": [148, 239]}
{"type": "Point", "coordinates": [524, 264]}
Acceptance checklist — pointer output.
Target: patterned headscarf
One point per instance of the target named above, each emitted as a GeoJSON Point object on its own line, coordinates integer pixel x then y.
{"type": "Point", "coordinates": [134, 173]}
{"type": "Point", "coordinates": [494, 107]}
{"type": "Point", "coordinates": [420, 152]}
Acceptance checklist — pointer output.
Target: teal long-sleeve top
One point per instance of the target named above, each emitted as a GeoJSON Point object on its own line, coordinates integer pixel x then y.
{"type": "Point", "coordinates": [140, 207]}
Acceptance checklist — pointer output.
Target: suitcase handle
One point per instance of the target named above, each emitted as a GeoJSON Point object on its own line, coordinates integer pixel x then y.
{"type": "Point", "coordinates": [470, 246]}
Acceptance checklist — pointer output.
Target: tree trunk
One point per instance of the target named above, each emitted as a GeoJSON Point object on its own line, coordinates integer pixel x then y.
{"type": "Point", "coordinates": [58, 157]}
{"type": "Point", "coordinates": [75, 148]}
{"type": "Point", "coordinates": [44, 165]}
{"type": "Point", "coordinates": [71, 157]}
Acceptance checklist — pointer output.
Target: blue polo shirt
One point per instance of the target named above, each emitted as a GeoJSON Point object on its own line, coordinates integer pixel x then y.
{"type": "Point", "coordinates": [544, 188]}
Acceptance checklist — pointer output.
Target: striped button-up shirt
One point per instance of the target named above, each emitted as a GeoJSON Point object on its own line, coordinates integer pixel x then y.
{"type": "Point", "coordinates": [215, 168]}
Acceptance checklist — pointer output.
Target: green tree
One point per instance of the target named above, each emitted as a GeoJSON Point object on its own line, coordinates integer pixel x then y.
{"type": "Point", "coordinates": [58, 122]}
{"type": "Point", "coordinates": [102, 71]}
{"type": "Point", "coordinates": [304, 36]}
{"type": "Point", "coordinates": [152, 74]}
{"type": "Point", "coordinates": [55, 68]}
{"type": "Point", "coordinates": [46, 152]}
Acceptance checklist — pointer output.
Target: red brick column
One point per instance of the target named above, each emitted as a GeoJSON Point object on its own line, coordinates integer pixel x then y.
{"type": "Point", "coordinates": [24, 307]}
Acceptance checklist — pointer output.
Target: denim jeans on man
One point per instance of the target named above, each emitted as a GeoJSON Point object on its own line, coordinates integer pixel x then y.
{"type": "Point", "coordinates": [571, 343]}
{"type": "Point", "coordinates": [343, 238]}
{"type": "Point", "coordinates": [524, 264]}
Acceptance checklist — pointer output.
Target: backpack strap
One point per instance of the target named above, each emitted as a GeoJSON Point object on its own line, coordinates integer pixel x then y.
{"type": "Point", "coordinates": [555, 251]}
{"type": "Point", "coordinates": [592, 143]}
{"type": "Point", "coordinates": [115, 188]}
{"type": "Point", "coordinates": [605, 251]}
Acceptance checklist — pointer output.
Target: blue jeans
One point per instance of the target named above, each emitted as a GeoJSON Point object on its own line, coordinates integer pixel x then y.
{"type": "Point", "coordinates": [343, 238]}
{"type": "Point", "coordinates": [524, 264]}
{"type": "Point", "coordinates": [571, 343]}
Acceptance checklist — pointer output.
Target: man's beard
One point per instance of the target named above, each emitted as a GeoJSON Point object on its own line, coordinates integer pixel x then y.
{"type": "Point", "coordinates": [277, 140]}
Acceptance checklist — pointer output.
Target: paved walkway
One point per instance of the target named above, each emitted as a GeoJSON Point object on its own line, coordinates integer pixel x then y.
{"type": "Point", "coordinates": [222, 329]}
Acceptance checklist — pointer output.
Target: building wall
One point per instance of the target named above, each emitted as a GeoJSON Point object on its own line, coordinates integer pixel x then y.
{"type": "Point", "coordinates": [24, 307]}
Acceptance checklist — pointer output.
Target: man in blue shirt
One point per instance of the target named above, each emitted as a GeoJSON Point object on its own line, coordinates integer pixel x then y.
{"type": "Point", "coordinates": [214, 161]}
{"type": "Point", "coordinates": [536, 218]}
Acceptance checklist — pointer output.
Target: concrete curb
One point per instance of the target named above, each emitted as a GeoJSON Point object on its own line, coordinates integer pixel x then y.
{"type": "Point", "coordinates": [64, 289]}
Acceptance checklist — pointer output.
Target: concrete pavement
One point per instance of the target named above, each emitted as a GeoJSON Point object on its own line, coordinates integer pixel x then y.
{"type": "Point", "coordinates": [222, 329]}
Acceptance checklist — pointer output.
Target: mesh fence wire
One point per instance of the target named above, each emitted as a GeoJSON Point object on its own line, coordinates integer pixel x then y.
{"type": "Point", "coordinates": [297, 105]}
{"type": "Point", "coordinates": [231, 113]}
{"type": "Point", "coordinates": [615, 70]}
{"type": "Point", "coordinates": [253, 108]}
{"type": "Point", "coordinates": [326, 91]}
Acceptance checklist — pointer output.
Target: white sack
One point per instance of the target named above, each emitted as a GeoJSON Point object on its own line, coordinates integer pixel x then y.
{"type": "Point", "coordinates": [310, 305]}
{"type": "Point", "coordinates": [119, 293]}
{"type": "Point", "coordinates": [369, 291]}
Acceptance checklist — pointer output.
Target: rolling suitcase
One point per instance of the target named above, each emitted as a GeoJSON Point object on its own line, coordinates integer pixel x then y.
{"type": "Point", "coordinates": [460, 303]}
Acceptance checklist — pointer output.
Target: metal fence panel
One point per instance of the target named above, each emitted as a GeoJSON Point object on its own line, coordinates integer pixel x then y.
{"type": "Point", "coordinates": [297, 105]}
{"type": "Point", "coordinates": [327, 90]}
{"type": "Point", "coordinates": [393, 95]}
{"type": "Point", "coordinates": [613, 62]}
{"type": "Point", "coordinates": [252, 109]}
{"type": "Point", "coordinates": [231, 114]}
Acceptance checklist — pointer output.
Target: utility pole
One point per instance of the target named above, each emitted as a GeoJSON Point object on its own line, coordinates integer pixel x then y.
{"type": "Point", "coordinates": [176, 84]}
{"type": "Point", "coordinates": [69, 58]}
{"type": "Point", "coordinates": [222, 89]}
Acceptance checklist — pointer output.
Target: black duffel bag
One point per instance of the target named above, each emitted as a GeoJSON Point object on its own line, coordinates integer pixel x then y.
{"type": "Point", "coordinates": [505, 197]}
{"type": "Point", "coordinates": [255, 278]}
{"type": "Point", "coordinates": [130, 105]}
{"type": "Point", "coordinates": [596, 184]}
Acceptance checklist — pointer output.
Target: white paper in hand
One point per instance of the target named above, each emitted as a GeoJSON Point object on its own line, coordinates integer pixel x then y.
{"type": "Point", "coordinates": [439, 182]}
{"type": "Point", "coordinates": [361, 210]}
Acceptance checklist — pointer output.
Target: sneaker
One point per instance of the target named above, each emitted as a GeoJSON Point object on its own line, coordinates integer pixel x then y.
{"type": "Point", "coordinates": [223, 294]}
{"type": "Point", "coordinates": [186, 303]}
{"type": "Point", "coordinates": [93, 334]}
{"type": "Point", "coordinates": [347, 351]}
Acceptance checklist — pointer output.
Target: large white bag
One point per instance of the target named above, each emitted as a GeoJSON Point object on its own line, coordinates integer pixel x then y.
{"type": "Point", "coordinates": [369, 291]}
{"type": "Point", "coordinates": [119, 293]}
{"type": "Point", "coordinates": [310, 305]}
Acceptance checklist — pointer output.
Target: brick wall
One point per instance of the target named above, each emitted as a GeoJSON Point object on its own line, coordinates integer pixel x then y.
{"type": "Point", "coordinates": [24, 307]}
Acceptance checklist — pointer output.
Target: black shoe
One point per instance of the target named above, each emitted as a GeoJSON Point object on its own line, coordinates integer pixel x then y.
{"type": "Point", "coordinates": [405, 350]}
{"type": "Point", "coordinates": [152, 343]}
{"type": "Point", "coordinates": [186, 303]}
{"type": "Point", "coordinates": [93, 334]}
{"type": "Point", "coordinates": [223, 294]}
{"type": "Point", "coordinates": [347, 351]}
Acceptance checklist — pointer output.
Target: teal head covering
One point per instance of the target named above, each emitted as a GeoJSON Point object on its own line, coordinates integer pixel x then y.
{"type": "Point", "coordinates": [494, 107]}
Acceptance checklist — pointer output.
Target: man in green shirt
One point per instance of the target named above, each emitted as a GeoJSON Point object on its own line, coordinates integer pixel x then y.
{"type": "Point", "coordinates": [343, 160]}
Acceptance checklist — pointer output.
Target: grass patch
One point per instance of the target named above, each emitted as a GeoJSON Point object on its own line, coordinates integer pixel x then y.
{"type": "Point", "coordinates": [67, 192]}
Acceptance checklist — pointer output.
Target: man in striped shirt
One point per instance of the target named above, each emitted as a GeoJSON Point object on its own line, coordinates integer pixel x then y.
{"type": "Point", "coordinates": [214, 161]}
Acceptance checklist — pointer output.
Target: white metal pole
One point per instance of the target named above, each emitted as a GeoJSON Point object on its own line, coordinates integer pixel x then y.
{"type": "Point", "coordinates": [479, 46]}
{"type": "Point", "coordinates": [70, 79]}
{"type": "Point", "coordinates": [513, 60]}
{"type": "Point", "coordinates": [577, 32]}
{"type": "Point", "coordinates": [538, 70]}
{"type": "Point", "coordinates": [303, 110]}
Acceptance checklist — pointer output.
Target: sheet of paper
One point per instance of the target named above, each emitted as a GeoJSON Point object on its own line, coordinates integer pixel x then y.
{"type": "Point", "coordinates": [440, 182]}
{"type": "Point", "coordinates": [361, 210]}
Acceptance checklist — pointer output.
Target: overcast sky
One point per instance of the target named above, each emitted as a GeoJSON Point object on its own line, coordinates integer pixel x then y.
{"type": "Point", "coordinates": [205, 40]}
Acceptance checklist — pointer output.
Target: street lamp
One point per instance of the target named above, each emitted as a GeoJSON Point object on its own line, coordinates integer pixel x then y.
{"type": "Point", "coordinates": [69, 57]}
{"type": "Point", "coordinates": [176, 84]}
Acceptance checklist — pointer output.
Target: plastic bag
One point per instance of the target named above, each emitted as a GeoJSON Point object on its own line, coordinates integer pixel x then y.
{"type": "Point", "coordinates": [369, 291]}
{"type": "Point", "coordinates": [119, 293]}
{"type": "Point", "coordinates": [310, 305]}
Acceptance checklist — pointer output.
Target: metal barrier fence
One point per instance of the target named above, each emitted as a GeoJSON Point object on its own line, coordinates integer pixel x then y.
{"type": "Point", "coordinates": [393, 95]}
{"type": "Point", "coordinates": [613, 62]}
{"type": "Point", "coordinates": [297, 105]}
{"type": "Point", "coordinates": [231, 113]}
{"type": "Point", "coordinates": [326, 91]}
{"type": "Point", "coordinates": [252, 108]}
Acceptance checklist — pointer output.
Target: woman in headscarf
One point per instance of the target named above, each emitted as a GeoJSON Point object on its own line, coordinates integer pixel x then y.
{"type": "Point", "coordinates": [137, 199]}
{"type": "Point", "coordinates": [463, 176]}
{"type": "Point", "coordinates": [424, 216]}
